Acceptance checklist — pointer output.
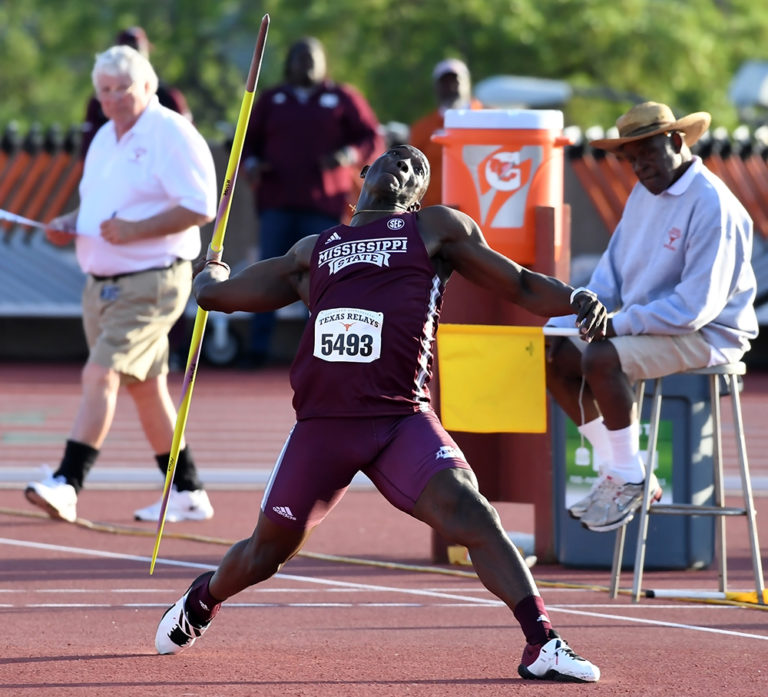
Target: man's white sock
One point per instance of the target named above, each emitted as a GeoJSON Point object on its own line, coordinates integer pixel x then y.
{"type": "Point", "coordinates": [627, 462]}
{"type": "Point", "coordinates": [597, 435]}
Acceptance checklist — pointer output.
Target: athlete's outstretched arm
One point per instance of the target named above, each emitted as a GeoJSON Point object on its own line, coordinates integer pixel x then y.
{"type": "Point", "coordinates": [261, 287]}
{"type": "Point", "coordinates": [464, 249]}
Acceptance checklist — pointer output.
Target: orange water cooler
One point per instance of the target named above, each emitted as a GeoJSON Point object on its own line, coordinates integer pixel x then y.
{"type": "Point", "coordinates": [505, 169]}
{"type": "Point", "coordinates": [498, 166]}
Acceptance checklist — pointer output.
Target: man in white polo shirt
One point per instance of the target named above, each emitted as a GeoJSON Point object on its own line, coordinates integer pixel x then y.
{"type": "Point", "coordinates": [148, 183]}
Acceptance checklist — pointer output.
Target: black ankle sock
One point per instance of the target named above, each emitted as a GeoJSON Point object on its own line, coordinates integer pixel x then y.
{"type": "Point", "coordinates": [76, 463]}
{"type": "Point", "coordinates": [185, 475]}
{"type": "Point", "coordinates": [533, 618]}
{"type": "Point", "coordinates": [201, 605]}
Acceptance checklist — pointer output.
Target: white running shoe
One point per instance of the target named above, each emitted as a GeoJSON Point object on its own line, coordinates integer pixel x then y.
{"type": "Point", "coordinates": [176, 631]}
{"type": "Point", "coordinates": [555, 660]}
{"type": "Point", "coordinates": [579, 508]}
{"type": "Point", "coordinates": [182, 505]}
{"type": "Point", "coordinates": [57, 498]}
{"type": "Point", "coordinates": [615, 502]}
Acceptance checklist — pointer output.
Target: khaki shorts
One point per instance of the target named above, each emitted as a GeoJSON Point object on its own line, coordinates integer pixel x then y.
{"type": "Point", "coordinates": [127, 319]}
{"type": "Point", "coordinates": [648, 356]}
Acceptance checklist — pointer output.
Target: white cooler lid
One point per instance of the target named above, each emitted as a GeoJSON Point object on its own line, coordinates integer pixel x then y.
{"type": "Point", "coordinates": [548, 119]}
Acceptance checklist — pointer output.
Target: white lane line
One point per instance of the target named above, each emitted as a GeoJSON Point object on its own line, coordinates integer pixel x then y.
{"type": "Point", "coordinates": [389, 589]}
{"type": "Point", "coordinates": [289, 577]}
{"type": "Point", "coordinates": [370, 587]}
{"type": "Point", "coordinates": [98, 553]}
{"type": "Point", "coordinates": [646, 606]}
{"type": "Point", "coordinates": [68, 605]}
{"type": "Point", "coordinates": [658, 623]}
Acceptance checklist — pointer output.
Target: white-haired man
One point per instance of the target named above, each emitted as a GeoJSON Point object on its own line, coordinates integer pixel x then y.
{"type": "Point", "coordinates": [148, 183]}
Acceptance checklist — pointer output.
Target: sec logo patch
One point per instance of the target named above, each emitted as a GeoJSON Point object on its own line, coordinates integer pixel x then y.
{"type": "Point", "coordinates": [395, 223]}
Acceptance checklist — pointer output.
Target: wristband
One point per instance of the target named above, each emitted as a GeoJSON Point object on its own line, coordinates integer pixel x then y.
{"type": "Point", "coordinates": [219, 263]}
{"type": "Point", "coordinates": [580, 289]}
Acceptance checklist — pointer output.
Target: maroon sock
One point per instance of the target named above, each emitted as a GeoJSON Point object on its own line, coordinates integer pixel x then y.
{"type": "Point", "coordinates": [533, 618]}
{"type": "Point", "coordinates": [201, 605]}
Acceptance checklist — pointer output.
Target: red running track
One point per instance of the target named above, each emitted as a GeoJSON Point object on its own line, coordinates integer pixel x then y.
{"type": "Point", "coordinates": [80, 612]}
{"type": "Point", "coordinates": [80, 608]}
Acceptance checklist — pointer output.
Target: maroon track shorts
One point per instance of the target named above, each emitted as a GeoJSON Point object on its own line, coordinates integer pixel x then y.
{"type": "Point", "coordinates": [399, 454]}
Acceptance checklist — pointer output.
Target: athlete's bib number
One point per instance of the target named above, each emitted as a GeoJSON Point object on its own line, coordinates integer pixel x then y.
{"type": "Point", "coordinates": [349, 335]}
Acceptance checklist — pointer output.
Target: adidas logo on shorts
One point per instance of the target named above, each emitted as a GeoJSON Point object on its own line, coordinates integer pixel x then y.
{"type": "Point", "coordinates": [284, 511]}
{"type": "Point", "coordinates": [448, 452]}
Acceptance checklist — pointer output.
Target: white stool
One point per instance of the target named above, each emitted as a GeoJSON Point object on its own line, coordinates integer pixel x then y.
{"type": "Point", "coordinates": [730, 374]}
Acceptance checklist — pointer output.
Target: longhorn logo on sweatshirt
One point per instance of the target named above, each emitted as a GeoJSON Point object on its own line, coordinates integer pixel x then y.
{"type": "Point", "coordinates": [674, 235]}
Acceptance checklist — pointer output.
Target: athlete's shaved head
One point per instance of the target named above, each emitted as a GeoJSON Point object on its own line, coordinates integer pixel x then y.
{"type": "Point", "coordinates": [422, 158]}
{"type": "Point", "coordinates": [410, 195]}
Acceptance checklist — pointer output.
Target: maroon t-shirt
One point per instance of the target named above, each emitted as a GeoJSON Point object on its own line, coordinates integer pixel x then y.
{"type": "Point", "coordinates": [294, 136]}
{"type": "Point", "coordinates": [374, 304]}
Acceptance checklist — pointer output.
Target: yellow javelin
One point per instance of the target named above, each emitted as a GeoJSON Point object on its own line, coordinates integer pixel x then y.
{"type": "Point", "coordinates": [214, 253]}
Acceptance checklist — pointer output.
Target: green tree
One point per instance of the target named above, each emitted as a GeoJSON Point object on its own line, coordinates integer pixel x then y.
{"type": "Point", "coordinates": [681, 52]}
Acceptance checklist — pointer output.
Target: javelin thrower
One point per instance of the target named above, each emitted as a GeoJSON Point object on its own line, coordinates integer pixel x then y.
{"type": "Point", "coordinates": [360, 379]}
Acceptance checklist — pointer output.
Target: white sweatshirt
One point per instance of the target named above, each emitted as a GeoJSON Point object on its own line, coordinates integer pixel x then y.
{"type": "Point", "coordinates": [680, 262]}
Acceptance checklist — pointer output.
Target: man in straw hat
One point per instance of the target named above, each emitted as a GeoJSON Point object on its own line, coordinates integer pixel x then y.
{"type": "Point", "coordinates": [677, 278]}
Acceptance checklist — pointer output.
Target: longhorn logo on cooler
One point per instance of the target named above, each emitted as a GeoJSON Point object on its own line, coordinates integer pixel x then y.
{"type": "Point", "coordinates": [502, 178]}
{"type": "Point", "coordinates": [504, 171]}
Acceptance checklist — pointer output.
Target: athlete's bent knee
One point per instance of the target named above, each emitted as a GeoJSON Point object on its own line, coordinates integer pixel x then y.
{"type": "Point", "coordinates": [454, 507]}
{"type": "Point", "coordinates": [270, 547]}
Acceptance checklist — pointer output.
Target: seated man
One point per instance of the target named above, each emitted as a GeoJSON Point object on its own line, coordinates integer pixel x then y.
{"type": "Point", "coordinates": [678, 280]}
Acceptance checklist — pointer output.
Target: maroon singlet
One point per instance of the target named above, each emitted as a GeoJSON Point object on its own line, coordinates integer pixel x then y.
{"type": "Point", "coordinates": [374, 307]}
{"type": "Point", "coordinates": [360, 376]}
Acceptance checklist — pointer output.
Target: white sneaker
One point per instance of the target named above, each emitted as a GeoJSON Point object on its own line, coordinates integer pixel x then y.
{"type": "Point", "coordinates": [615, 502]}
{"type": "Point", "coordinates": [555, 660]}
{"type": "Point", "coordinates": [182, 505]}
{"type": "Point", "coordinates": [176, 631]}
{"type": "Point", "coordinates": [578, 509]}
{"type": "Point", "coordinates": [57, 498]}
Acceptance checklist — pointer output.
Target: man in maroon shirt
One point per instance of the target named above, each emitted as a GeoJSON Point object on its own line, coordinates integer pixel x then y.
{"type": "Point", "coordinates": [360, 378]}
{"type": "Point", "coordinates": [307, 139]}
